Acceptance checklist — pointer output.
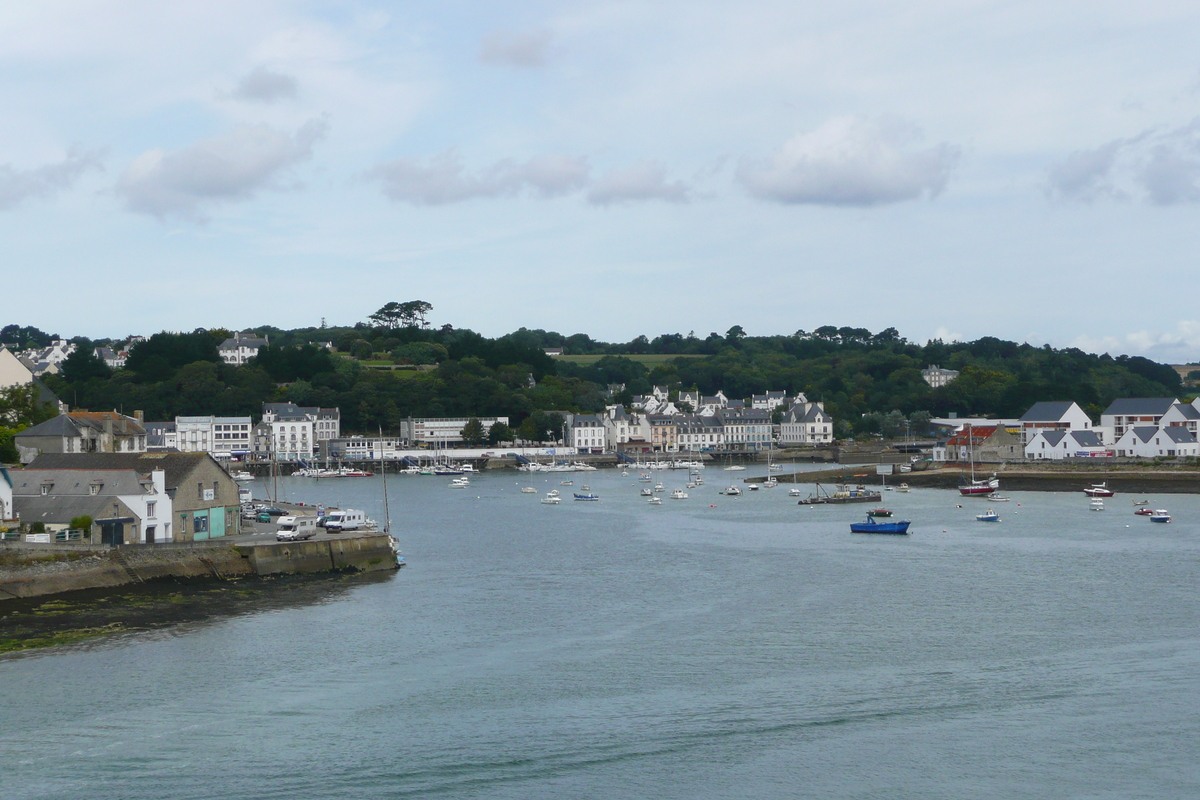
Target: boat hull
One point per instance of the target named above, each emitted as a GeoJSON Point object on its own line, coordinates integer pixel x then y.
{"type": "Point", "coordinates": [871, 526]}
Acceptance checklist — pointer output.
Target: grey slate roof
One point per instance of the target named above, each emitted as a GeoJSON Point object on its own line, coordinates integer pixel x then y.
{"type": "Point", "coordinates": [175, 465]}
{"type": "Point", "coordinates": [1140, 406]}
{"type": "Point", "coordinates": [1087, 438]}
{"type": "Point", "coordinates": [1053, 437]}
{"type": "Point", "coordinates": [1047, 411]}
{"type": "Point", "coordinates": [62, 425]}
{"type": "Point", "coordinates": [1188, 411]}
{"type": "Point", "coordinates": [586, 421]}
{"type": "Point", "coordinates": [1179, 434]}
{"type": "Point", "coordinates": [1144, 432]}
{"type": "Point", "coordinates": [77, 482]}
{"type": "Point", "coordinates": [61, 510]}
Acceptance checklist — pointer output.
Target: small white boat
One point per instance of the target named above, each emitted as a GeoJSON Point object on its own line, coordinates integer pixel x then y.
{"type": "Point", "coordinates": [655, 501]}
{"type": "Point", "coordinates": [624, 473]}
{"type": "Point", "coordinates": [1135, 502]}
{"type": "Point", "coordinates": [770, 483]}
{"type": "Point", "coordinates": [998, 499]}
{"type": "Point", "coordinates": [753, 487]}
{"type": "Point", "coordinates": [585, 488]}
{"type": "Point", "coordinates": [690, 485]}
{"type": "Point", "coordinates": [566, 483]}
{"type": "Point", "coordinates": [552, 493]}
{"type": "Point", "coordinates": [988, 516]}
{"type": "Point", "coordinates": [794, 491]}
{"type": "Point", "coordinates": [241, 476]}
{"type": "Point", "coordinates": [735, 468]}
{"type": "Point", "coordinates": [679, 494]}
{"type": "Point", "coordinates": [732, 491]}
{"type": "Point", "coordinates": [1160, 515]}
{"type": "Point", "coordinates": [550, 500]}
{"type": "Point", "coordinates": [528, 490]}
{"type": "Point", "coordinates": [776, 468]}
{"type": "Point", "coordinates": [647, 492]}
{"type": "Point", "coordinates": [1096, 505]}
{"type": "Point", "coordinates": [902, 487]}
{"type": "Point", "coordinates": [658, 487]}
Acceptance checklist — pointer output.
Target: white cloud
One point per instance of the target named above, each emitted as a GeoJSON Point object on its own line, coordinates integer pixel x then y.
{"type": "Point", "coordinates": [264, 86]}
{"type": "Point", "coordinates": [944, 334]}
{"type": "Point", "coordinates": [17, 185]}
{"type": "Point", "coordinates": [1179, 346]}
{"type": "Point", "coordinates": [527, 49]}
{"type": "Point", "coordinates": [231, 167]}
{"type": "Point", "coordinates": [850, 161]}
{"type": "Point", "coordinates": [1159, 166]}
{"type": "Point", "coordinates": [643, 180]}
{"type": "Point", "coordinates": [444, 180]}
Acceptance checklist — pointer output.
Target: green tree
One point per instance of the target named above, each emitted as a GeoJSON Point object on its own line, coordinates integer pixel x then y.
{"type": "Point", "coordinates": [83, 364]}
{"type": "Point", "coordinates": [499, 432]}
{"type": "Point", "coordinates": [81, 523]}
{"type": "Point", "coordinates": [22, 406]}
{"type": "Point", "coordinates": [473, 433]}
{"type": "Point", "coordinates": [402, 315]}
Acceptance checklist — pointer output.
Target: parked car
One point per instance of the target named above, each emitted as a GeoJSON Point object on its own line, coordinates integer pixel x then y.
{"type": "Point", "coordinates": [273, 511]}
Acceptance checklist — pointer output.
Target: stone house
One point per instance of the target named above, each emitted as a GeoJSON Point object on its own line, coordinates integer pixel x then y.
{"type": "Point", "coordinates": [204, 499]}
{"type": "Point", "coordinates": [82, 432]}
{"type": "Point", "coordinates": [126, 506]}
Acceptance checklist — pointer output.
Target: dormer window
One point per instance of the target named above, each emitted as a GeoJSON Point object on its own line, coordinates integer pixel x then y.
{"type": "Point", "coordinates": [94, 488]}
{"type": "Point", "coordinates": [46, 487]}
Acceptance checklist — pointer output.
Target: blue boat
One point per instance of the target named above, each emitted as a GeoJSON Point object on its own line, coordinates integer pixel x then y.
{"type": "Point", "coordinates": [871, 526]}
{"type": "Point", "coordinates": [588, 496]}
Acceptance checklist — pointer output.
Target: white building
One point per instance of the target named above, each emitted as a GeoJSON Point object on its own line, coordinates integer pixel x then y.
{"type": "Point", "coordinates": [772, 400]}
{"type": "Point", "coordinates": [241, 347]}
{"type": "Point", "coordinates": [1056, 415]}
{"type": "Point", "coordinates": [937, 377]}
{"type": "Point", "coordinates": [1148, 441]}
{"type": "Point", "coordinates": [6, 495]}
{"type": "Point", "coordinates": [746, 429]}
{"type": "Point", "coordinates": [57, 495]}
{"type": "Point", "coordinates": [114, 359]}
{"type": "Point", "coordinates": [441, 431]}
{"type": "Point", "coordinates": [806, 423]}
{"type": "Point", "coordinates": [361, 448]}
{"type": "Point", "coordinates": [1060, 444]}
{"type": "Point", "coordinates": [621, 428]}
{"type": "Point", "coordinates": [1130, 412]}
{"type": "Point", "coordinates": [220, 437]}
{"type": "Point", "coordinates": [1182, 415]}
{"type": "Point", "coordinates": [697, 433]}
{"type": "Point", "coordinates": [586, 433]}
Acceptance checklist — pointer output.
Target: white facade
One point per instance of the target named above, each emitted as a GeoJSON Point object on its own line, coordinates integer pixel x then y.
{"type": "Point", "coordinates": [240, 348]}
{"type": "Point", "coordinates": [13, 371]}
{"type": "Point", "coordinates": [220, 437]}
{"type": "Point", "coordinates": [586, 433]}
{"type": "Point", "coordinates": [292, 439]}
{"type": "Point", "coordinates": [1059, 444]}
{"type": "Point", "coordinates": [1053, 416]}
{"type": "Point", "coordinates": [6, 495]}
{"type": "Point", "coordinates": [937, 377]}
{"type": "Point", "coordinates": [1132, 412]}
{"type": "Point", "coordinates": [621, 428]}
{"type": "Point", "coordinates": [1148, 441]}
{"type": "Point", "coordinates": [442, 430]}
{"type": "Point", "coordinates": [806, 423]}
{"type": "Point", "coordinates": [153, 508]}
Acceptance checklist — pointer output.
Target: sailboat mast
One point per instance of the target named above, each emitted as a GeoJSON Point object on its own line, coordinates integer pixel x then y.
{"type": "Point", "coordinates": [387, 512]}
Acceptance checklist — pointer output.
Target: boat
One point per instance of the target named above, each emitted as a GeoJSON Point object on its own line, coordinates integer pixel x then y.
{"type": "Point", "coordinates": [586, 496]}
{"type": "Point", "coordinates": [1141, 502]}
{"type": "Point", "coordinates": [647, 491]}
{"type": "Point", "coordinates": [459, 483]}
{"type": "Point", "coordinates": [732, 491]}
{"type": "Point", "coordinates": [879, 512]}
{"type": "Point", "coordinates": [735, 468]}
{"type": "Point", "coordinates": [1144, 511]}
{"type": "Point", "coordinates": [770, 482]}
{"type": "Point", "coordinates": [871, 526]}
{"type": "Point", "coordinates": [550, 500]}
{"type": "Point", "coordinates": [552, 493]}
{"type": "Point", "coordinates": [1160, 515]}
{"type": "Point", "coordinates": [999, 498]}
{"type": "Point", "coordinates": [658, 487]}
{"type": "Point", "coordinates": [1096, 505]}
{"type": "Point", "coordinates": [794, 491]}
{"type": "Point", "coordinates": [566, 483]}
{"type": "Point", "coordinates": [527, 490]}
{"type": "Point", "coordinates": [753, 487]}
{"type": "Point", "coordinates": [902, 487]}
{"type": "Point", "coordinates": [585, 488]}
{"type": "Point", "coordinates": [842, 494]}
{"type": "Point", "coordinates": [775, 467]}
{"type": "Point", "coordinates": [241, 476]}
{"type": "Point", "coordinates": [977, 488]}
{"type": "Point", "coordinates": [655, 501]}
{"type": "Point", "coordinates": [1099, 490]}
{"type": "Point", "coordinates": [988, 516]}
{"type": "Point", "coordinates": [679, 494]}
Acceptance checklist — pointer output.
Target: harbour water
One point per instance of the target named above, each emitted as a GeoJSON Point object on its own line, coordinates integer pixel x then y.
{"type": "Point", "coordinates": [715, 647]}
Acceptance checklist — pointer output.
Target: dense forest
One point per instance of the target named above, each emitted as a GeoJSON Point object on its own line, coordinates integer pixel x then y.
{"type": "Point", "coordinates": [870, 382]}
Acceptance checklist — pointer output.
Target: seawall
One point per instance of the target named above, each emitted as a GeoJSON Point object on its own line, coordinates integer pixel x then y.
{"type": "Point", "coordinates": [33, 570]}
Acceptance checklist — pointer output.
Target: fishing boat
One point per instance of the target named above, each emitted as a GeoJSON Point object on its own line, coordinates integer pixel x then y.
{"type": "Point", "coordinates": [679, 494]}
{"type": "Point", "coordinates": [550, 500]}
{"type": "Point", "coordinates": [988, 516]}
{"type": "Point", "coordinates": [1144, 511]}
{"type": "Point", "coordinates": [871, 526]}
{"type": "Point", "coordinates": [842, 494]}
{"type": "Point", "coordinates": [879, 512]}
{"type": "Point", "coordinates": [1160, 515]}
{"type": "Point", "coordinates": [586, 496]}
{"type": "Point", "coordinates": [1099, 490]}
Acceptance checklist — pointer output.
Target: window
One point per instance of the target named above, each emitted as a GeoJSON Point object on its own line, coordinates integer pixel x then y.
{"type": "Point", "coordinates": [216, 489]}
{"type": "Point", "coordinates": [150, 506]}
{"type": "Point", "coordinates": [200, 524]}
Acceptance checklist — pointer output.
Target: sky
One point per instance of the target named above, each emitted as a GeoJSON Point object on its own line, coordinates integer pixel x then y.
{"type": "Point", "coordinates": [957, 169]}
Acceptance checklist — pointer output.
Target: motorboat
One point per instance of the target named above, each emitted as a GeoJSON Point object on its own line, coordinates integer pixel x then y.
{"type": "Point", "coordinates": [647, 491]}
{"type": "Point", "coordinates": [872, 526]}
{"type": "Point", "coordinates": [566, 483]}
{"type": "Point", "coordinates": [550, 500]}
{"type": "Point", "coordinates": [794, 491]}
{"type": "Point", "coordinates": [999, 499]}
{"type": "Point", "coordinates": [585, 488]}
{"type": "Point", "coordinates": [770, 483]}
{"type": "Point", "coordinates": [735, 468]}
{"type": "Point", "coordinates": [528, 490]}
{"type": "Point", "coordinates": [658, 487]}
{"type": "Point", "coordinates": [655, 501]}
{"type": "Point", "coordinates": [753, 487]}
{"type": "Point", "coordinates": [732, 491]}
{"type": "Point", "coordinates": [461, 483]}
{"type": "Point", "coordinates": [775, 467]}
{"type": "Point", "coordinates": [988, 516]}
{"type": "Point", "coordinates": [241, 476]}
{"type": "Point", "coordinates": [879, 512]}
{"type": "Point", "coordinates": [552, 493]}
{"type": "Point", "coordinates": [690, 485]}
{"type": "Point", "coordinates": [1099, 490]}
{"type": "Point", "coordinates": [1141, 502]}
{"type": "Point", "coordinates": [586, 496]}
{"type": "Point", "coordinates": [902, 487]}
{"type": "Point", "coordinates": [1144, 511]}
{"type": "Point", "coordinates": [679, 494]}
{"type": "Point", "coordinates": [1160, 515]}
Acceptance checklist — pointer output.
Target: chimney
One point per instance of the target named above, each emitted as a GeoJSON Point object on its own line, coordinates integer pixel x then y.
{"type": "Point", "coordinates": [140, 416]}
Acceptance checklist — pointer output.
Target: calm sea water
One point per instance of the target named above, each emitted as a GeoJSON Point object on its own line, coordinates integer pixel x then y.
{"type": "Point", "coordinates": [709, 648]}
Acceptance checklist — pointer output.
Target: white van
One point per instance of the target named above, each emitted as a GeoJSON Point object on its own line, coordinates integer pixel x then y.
{"type": "Point", "coordinates": [293, 528]}
{"type": "Point", "coordinates": [347, 519]}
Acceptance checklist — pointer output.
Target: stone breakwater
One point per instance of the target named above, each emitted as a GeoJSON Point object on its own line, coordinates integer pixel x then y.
{"type": "Point", "coordinates": [28, 570]}
{"type": "Point", "coordinates": [1126, 480]}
